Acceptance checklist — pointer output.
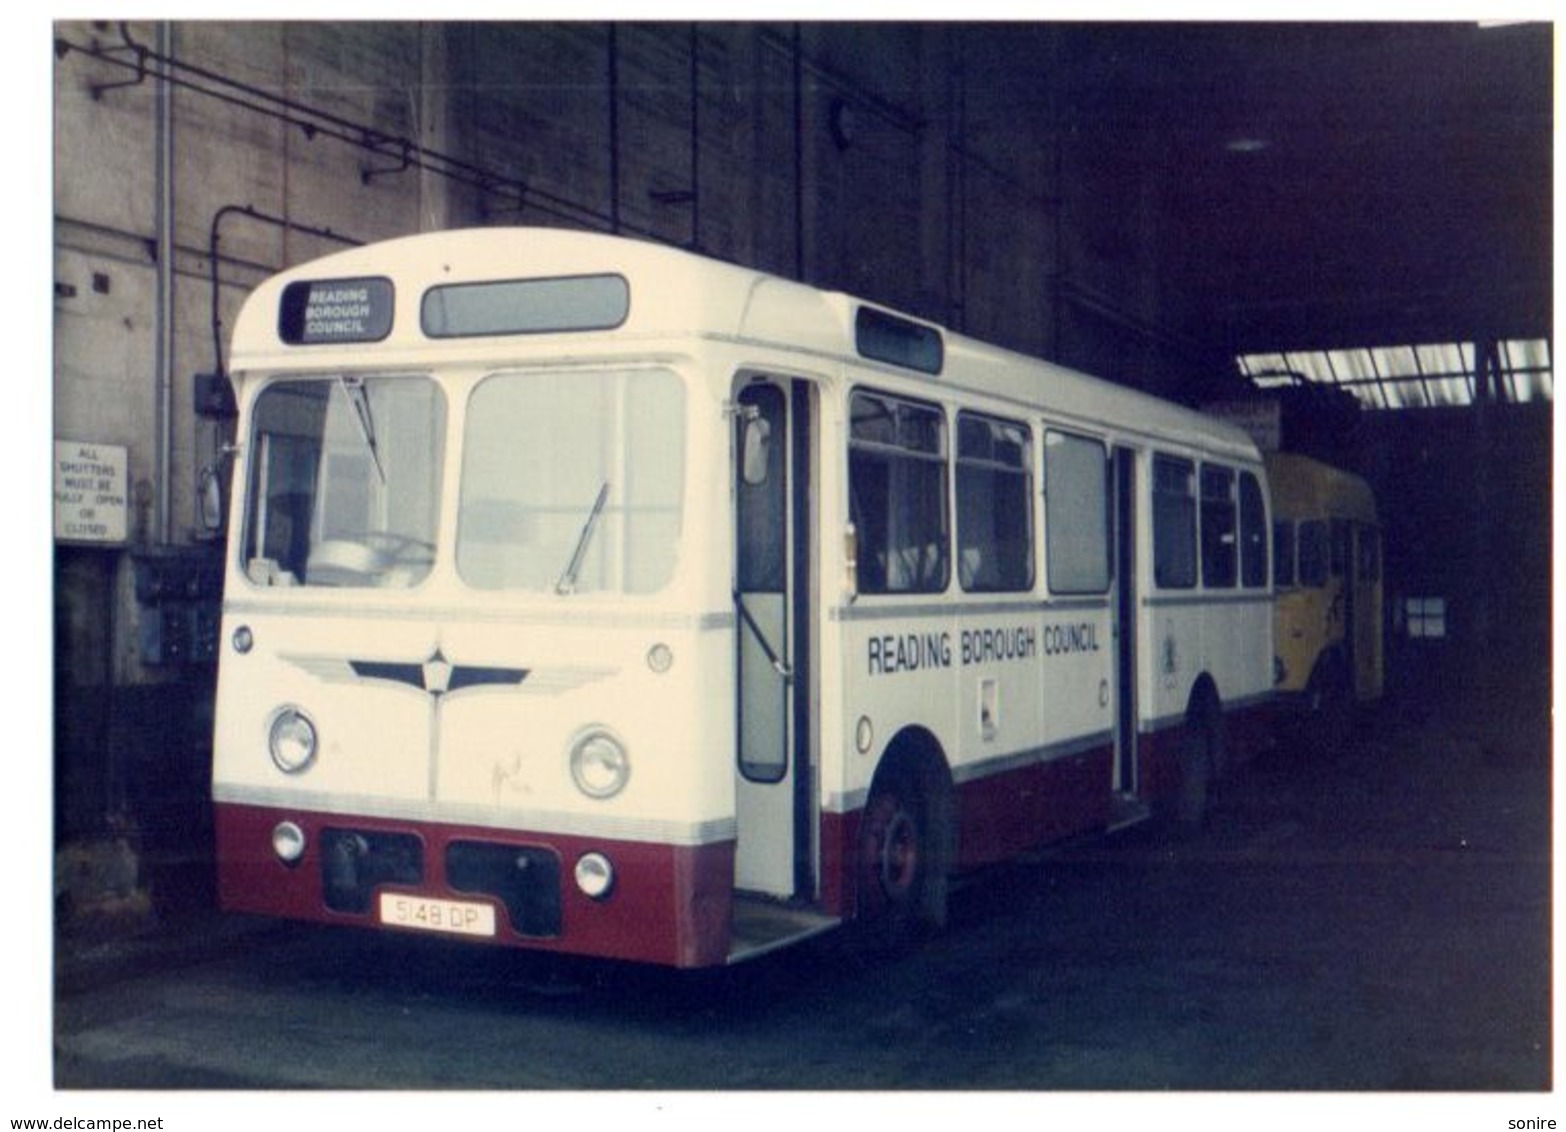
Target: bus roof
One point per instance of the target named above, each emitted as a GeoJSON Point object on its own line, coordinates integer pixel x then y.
{"type": "Point", "coordinates": [1303, 487]}
{"type": "Point", "coordinates": [672, 292]}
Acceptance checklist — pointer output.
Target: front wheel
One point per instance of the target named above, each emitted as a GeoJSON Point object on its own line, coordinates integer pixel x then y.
{"type": "Point", "coordinates": [897, 876]}
{"type": "Point", "coordinates": [1331, 701]}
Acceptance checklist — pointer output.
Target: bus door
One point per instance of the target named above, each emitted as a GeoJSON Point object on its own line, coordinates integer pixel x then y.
{"type": "Point", "coordinates": [1123, 612]}
{"type": "Point", "coordinates": [774, 809]}
{"type": "Point", "coordinates": [1344, 613]}
{"type": "Point", "coordinates": [1366, 624]}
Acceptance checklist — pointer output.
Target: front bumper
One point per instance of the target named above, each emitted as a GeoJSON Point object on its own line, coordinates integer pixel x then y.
{"type": "Point", "coordinates": [670, 904]}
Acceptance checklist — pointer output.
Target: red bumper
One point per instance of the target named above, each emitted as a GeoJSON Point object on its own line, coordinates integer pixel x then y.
{"type": "Point", "coordinates": [669, 905]}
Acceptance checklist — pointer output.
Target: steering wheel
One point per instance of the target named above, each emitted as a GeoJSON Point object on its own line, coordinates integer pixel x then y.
{"type": "Point", "coordinates": [364, 557]}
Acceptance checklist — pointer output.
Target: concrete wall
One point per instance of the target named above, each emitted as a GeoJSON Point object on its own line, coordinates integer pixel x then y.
{"type": "Point", "coordinates": [1466, 501]}
{"type": "Point", "coordinates": [929, 167]}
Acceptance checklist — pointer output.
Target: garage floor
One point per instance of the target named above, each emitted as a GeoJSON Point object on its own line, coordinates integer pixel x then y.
{"type": "Point", "coordinates": [1371, 919]}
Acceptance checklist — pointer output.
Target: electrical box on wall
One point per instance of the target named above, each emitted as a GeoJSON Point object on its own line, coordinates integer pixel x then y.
{"type": "Point", "coordinates": [179, 591]}
{"type": "Point", "coordinates": [214, 396]}
{"type": "Point", "coordinates": [163, 635]}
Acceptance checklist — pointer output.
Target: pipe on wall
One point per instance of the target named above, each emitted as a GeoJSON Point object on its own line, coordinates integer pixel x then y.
{"type": "Point", "coordinates": [163, 359]}
{"type": "Point", "coordinates": [797, 66]}
{"type": "Point", "coordinates": [316, 123]}
{"type": "Point", "coordinates": [612, 81]}
{"type": "Point", "coordinates": [215, 259]}
{"type": "Point", "coordinates": [695, 52]}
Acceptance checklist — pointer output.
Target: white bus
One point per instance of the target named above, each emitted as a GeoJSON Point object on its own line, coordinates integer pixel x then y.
{"type": "Point", "coordinates": [590, 596]}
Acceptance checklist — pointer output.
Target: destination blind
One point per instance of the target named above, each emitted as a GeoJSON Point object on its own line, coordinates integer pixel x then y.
{"type": "Point", "coordinates": [319, 311]}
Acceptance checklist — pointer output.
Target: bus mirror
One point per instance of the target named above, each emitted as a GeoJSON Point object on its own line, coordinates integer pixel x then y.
{"type": "Point", "coordinates": [209, 500]}
{"type": "Point", "coordinates": [754, 456]}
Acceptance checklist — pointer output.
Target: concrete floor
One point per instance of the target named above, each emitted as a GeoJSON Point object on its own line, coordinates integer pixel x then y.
{"type": "Point", "coordinates": [1371, 923]}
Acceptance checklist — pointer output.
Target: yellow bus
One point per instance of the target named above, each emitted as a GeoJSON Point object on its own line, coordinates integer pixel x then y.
{"type": "Point", "coordinates": [1328, 584]}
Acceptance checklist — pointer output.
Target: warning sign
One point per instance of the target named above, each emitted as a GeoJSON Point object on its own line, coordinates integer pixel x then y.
{"type": "Point", "coordinates": [90, 491]}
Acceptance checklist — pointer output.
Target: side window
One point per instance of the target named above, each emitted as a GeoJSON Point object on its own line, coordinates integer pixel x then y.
{"type": "Point", "coordinates": [1313, 553]}
{"type": "Point", "coordinates": [1174, 523]}
{"type": "Point", "coordinates": [1341, 539]}
{"type": "Point", "coordinates": [1219, 552]}
{"type": "Point", "coordinates": [1253, 532]}
{"type": "Point", "coordinates": [1369, 554]}
{"type": "Point", "coordinates": [1283, 553]}
{"type": "Point", "coordinates": [761, 493]}
{"type": "Point", "coordinates": [1076, 511]}
{"type": "Point", "coordinates": [994, 504]}
{"type": "Point", "coordinates": [897, 493]}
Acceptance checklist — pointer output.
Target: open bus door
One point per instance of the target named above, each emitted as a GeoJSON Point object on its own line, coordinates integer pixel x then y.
{"type": "Point", "coordinates": [772, 601]}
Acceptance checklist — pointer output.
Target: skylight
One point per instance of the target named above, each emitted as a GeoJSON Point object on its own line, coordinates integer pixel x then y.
{"type": "Point", "coordinates": [1438, 375]}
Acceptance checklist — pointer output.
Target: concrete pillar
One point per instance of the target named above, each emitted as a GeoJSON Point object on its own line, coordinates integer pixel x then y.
{"type": "Point", "coordinates": [435, 125]}
{"type": "Point", "coordinates": [940, 155]}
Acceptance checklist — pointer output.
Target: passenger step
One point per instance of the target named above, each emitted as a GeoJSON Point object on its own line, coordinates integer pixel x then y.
{"type": "Point", "coordinates": [1126, 810]}
{"type": "Point", "coordinates": [761, 925]}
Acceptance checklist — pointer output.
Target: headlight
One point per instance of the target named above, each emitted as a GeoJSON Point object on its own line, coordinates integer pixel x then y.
{"type": "Point", "coordinates": [599, 765]}
{"type": "Point", "coordinates": [291, 739]}
{"type": "Point", "coordinates": [594, 875]}
{"type": "Point", "coordinates": [288, 842]}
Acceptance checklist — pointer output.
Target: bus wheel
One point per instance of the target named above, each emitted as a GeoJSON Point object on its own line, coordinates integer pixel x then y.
{"type": "Point", "coordinates": [1331, 701]}
{"type": "Point", "coordinates": [1200, 747]}
{"type": "Point", "coordinates": [894, 861]}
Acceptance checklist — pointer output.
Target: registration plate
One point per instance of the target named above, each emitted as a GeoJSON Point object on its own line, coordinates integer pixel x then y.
{"type": "Point", "coordinates": [459, 917]}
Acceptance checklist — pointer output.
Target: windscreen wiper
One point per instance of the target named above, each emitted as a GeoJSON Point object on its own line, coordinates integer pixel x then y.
{"type": "Point", "coordinates": [567, 582]}
{"type": "Point", "coordinates": [353, 387]}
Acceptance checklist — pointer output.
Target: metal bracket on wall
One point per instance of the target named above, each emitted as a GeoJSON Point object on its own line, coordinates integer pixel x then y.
{"type": "Point", "coordinates": [375, 145]}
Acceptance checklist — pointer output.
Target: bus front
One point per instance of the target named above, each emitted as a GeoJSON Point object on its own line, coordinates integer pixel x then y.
{"type": "Point", "coordinates": [466, 662]}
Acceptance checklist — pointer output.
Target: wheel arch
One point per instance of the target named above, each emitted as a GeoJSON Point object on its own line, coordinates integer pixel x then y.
{"type": "Point", "coordinates": [1204, 717]}
{"type": "Point", "coordinates": [916, 757]}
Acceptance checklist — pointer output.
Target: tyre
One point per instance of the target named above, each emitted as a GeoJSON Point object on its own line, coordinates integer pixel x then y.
{"type": "Point", "coordinates": [900, 889]}
{"type": "Point", "coordinates": [1331, 700]}
{"type": "Point", "coordinates": [1199, 762]}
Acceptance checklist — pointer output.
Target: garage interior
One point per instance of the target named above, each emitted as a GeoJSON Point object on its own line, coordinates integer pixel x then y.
{"type": "Point", "coordinates": [1349, 221]}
